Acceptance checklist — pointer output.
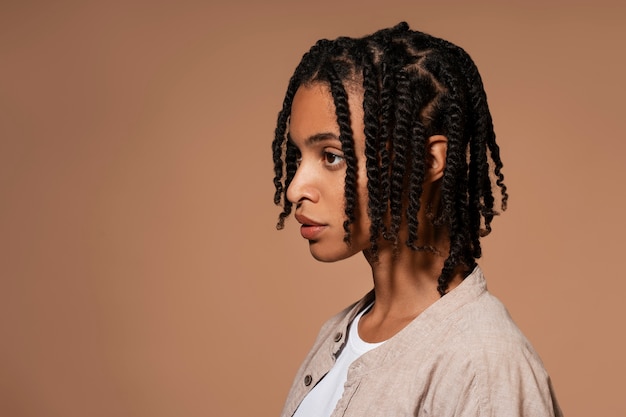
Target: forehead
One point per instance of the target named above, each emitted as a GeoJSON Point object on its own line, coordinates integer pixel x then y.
{"type": "Point", "coordinates": [312, 112]}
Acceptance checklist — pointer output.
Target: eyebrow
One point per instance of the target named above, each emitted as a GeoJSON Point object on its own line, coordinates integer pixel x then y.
{"type": "Point", "coordinates": [318, 137]}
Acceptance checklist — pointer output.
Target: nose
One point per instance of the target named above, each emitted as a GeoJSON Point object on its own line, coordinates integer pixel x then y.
{"type": "Point", "coordinates": [302, 186]}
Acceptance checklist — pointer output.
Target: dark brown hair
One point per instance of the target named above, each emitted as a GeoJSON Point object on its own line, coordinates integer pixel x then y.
{"type": "Point", "coordinates": [414, 86]}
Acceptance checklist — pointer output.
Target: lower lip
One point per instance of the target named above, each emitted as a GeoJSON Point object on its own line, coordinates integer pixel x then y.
{"type": "Point", "coordinates": [311, 232]}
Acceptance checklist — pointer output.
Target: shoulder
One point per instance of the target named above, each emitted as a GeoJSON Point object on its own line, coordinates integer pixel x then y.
{"type": "Point", "coordinates": [504, 373]}
{"type": "Point", "coordinates": [486, 322]}
{"type": "Point", "coordinates": [484, 336]}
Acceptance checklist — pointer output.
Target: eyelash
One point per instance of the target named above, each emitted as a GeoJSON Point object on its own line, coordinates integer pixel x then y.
{"type": "Point", "coordinates": [326, 155]}
{"type": "Point", "coordinates": [333, 165]}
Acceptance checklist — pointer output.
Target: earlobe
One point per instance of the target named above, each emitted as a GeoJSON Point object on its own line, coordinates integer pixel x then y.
{"type": "Point", "coordinates": [436, 150]}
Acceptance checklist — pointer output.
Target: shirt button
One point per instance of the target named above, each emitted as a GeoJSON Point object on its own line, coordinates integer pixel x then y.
{"type": "Point", "coordinates": [307, 380]}
{"type": "Point", "coordinates": [338, 336]}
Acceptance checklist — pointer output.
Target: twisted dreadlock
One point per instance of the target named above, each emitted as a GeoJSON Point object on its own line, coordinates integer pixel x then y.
{"type": "Point", "coordinates": [414, 86]}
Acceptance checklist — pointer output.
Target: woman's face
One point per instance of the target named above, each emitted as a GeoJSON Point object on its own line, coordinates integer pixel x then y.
{"type": "Point", "coordinates": [317, 189]}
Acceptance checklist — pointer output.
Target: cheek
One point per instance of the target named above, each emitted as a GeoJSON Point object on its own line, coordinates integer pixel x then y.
{"type": "Point", "coordinates": [362, 221]}
{"type": "Point", "coordinates": [363, 217]}
{"type": "Point", "coordinates": [362, 189]}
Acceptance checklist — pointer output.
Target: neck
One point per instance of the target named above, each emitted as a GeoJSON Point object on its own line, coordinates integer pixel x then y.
{"type": "Point", "coordinates": [407, 279]}
{"type": "Point", "coordinates": [405, 284]}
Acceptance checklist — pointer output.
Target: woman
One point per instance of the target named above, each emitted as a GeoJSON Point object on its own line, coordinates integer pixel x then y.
{"type": "Point", "coordinates": [385, 146]}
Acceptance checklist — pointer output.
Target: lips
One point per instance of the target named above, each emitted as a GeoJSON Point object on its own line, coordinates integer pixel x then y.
{"type": "Point", "coordinates": [310, 229]}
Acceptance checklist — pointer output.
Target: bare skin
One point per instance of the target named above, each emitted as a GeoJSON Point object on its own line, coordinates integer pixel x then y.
{"type": "Point", "coordinates": [405, 283]}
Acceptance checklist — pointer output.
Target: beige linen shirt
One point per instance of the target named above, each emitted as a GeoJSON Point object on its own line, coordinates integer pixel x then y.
{"type": "Point", "coordinates": [463, 356]}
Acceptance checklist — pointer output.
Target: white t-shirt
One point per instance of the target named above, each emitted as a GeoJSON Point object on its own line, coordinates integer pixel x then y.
{"type": "Point", "coordinates": [322, 399]}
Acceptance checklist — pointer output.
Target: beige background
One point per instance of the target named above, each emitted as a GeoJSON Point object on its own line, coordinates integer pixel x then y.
{"type": "Point", "coordinates": [140, 272]}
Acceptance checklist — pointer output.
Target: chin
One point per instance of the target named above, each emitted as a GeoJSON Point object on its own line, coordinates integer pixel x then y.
{"type": "Point", "coordinates": [328, 254]}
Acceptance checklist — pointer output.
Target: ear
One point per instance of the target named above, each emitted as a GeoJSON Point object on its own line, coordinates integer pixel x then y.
{"type": "Point", "coordinates": [436, 150]}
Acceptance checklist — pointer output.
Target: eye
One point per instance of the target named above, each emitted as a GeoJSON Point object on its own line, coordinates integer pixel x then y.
{"type": "Point", "coordinates": [332, 160]}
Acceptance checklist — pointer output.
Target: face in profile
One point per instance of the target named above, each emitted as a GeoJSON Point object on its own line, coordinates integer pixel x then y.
{"type": "Point", "coordinates": [317, 189]}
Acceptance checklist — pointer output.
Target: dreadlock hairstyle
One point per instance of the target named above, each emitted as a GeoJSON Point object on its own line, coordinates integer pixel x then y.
{"type": "Point", "coordinates": [414, 86]}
